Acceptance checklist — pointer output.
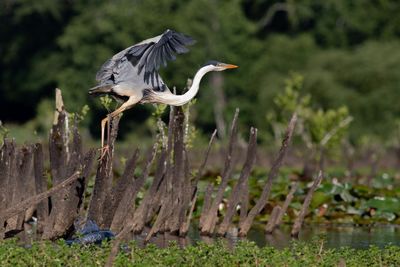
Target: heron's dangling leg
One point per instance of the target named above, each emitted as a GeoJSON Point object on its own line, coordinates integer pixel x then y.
{"type": "Point", "coordinates": [103, 127]}
{"type": "Point", "coordinates": [128, 104]}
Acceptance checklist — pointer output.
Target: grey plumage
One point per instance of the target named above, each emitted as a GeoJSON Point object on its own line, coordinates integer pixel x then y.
{"type": "Point", "coordinates": [132, 74]}
{"type": "Point", "coordinates": [135, 69]}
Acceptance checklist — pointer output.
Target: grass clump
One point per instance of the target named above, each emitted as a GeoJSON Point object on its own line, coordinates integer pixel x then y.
{"type": "Point", "coordinates": [219, 254]}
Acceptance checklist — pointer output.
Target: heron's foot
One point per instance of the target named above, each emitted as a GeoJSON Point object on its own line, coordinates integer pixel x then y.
{"type": "Point", "coordinates": [105, 150]}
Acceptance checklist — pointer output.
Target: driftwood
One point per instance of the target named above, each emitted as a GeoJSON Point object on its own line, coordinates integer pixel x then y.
{"type": "Point", "coordinates": [207, 201]}
{"type": "Point", "coordinates": [145, 209]}
{"type": "Point", "coordinates": [23, 205]}
{"type": "Point", "coordinates": [168, 204]}
{"type": "Point", "coordinates": [127, 223]}
{"type": "Point", "coordinates": [99, 203]}
{"type": "Point", "coordinates": [164, 197]}
{"type": "Point", "coordinates": [66, 158]}
{"type": "Point", "coordinates": [210, 219]}
{"type": "Point", "coordinates": [244, 202]}
{"type": "Point", "coordinates": [21, 174]}
{"type": "Point", "coordinates": [124, 183]}
{"type": "Point", "coordinates": [269, 228]}
{"type": "Point", "coordinates": [124, 211]}
{"type": "Point", "coordinates": [68, 209]}
{"type": "Point", "coordinates": [286, 204]}
{"type": "Point", "coordinates": [7, 174]}
{"type": "Point", "coordinates": [180, 183]}
{"type": "Point", "coordinates": [236, 195]}
{"type": "Point", "coordinates": [262, 201]}
{"type": "Point", "coordinates": [88, 161]}
{"type": "Point", "coordinates": [40, 186]}
{"type": "Point", "coordinates": [300, 218]}
{"type": "Point", "coordinates": [25, 185]}
{"type": "Point", "coordinates": [58, 155]}
{"type": "Point", "coordinates": [195, 191]}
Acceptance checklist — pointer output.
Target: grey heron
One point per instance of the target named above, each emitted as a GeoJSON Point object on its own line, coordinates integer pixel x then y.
{"type": "Point", "coordinates": [132, 74]}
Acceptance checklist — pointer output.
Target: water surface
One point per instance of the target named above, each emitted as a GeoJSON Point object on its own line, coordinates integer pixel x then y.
{"type": "Point", "coordinates": [335, 236]}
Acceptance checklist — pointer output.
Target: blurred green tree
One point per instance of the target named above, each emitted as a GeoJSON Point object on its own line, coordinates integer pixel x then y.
{"type": "Point", "coordinates": [349, 52]}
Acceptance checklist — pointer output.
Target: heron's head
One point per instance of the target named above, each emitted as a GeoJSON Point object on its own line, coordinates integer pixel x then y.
{"type": "Point", "coordinates": [219, 66]}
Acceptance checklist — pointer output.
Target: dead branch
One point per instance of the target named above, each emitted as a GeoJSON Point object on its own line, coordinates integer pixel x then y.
{"type": "Point", "coordinates": [236, 194]}
{"type": "Point", "coordinates": [207, 201]}
{"type": "Point", "coordinates": [262, 201]}
{"type": "Point", "coordinates": [300, 218]}
{"type": "Point", "coordinates": [103, 183]}
{"type": "Point", "coordinates": [272, 219]}
{"type": "Point", "coordinates": [126, 205]}
{"type": "Point", "coordinates": [23, 205]}
{"type": "Point", "coordinates": [286, 204]}
{"type": "Point", "coordinates": [211, 218]}
{"type": "Point", "coordinates": [41, 186]}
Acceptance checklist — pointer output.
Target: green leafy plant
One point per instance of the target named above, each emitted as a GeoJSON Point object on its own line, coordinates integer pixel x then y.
{"type": "Point", "coordinates": [321, 130]}
{"type": "Point", "coordinates": [286, 103]}
{"type": "Point", "coordinates": [80, 116]}
{"type": "Point", "coordinates": [156, 124]}
{"type": "Point", "coordinates": [190, 132]}
{"type": "Point", "coordinates": [244, 253]}
{"type": "Point", "coordinates": [3, 132]}
{"type": "Point", "coordinates": [106, 102]}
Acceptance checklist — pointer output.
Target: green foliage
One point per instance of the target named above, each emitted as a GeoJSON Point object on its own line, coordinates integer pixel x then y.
{"type": "Point", "coordinates": [157, 126]}
{"type": "Point", "coordinates": [385, 204]}
{"type": "Point", "coordinates": [327, 128]}
{"type": "Point", "coordinates": [290, 100]}
{"type": "Point", "coordinates": [348, 52]}
{"type": "Point", "coordinates": [319, 129]}
{"type": "Point", "coordinates": [243, 254]}
{"type": "Point", "coordinates": [106, 102]}
{"type": "Point", "coordinates": [3, 132]}
{"type": "Point", "coordinates": [190, 131]}
{"type": "Point", "coordinates": [159, 110]}
{"type": "Point", "coordinates": [80, 116]}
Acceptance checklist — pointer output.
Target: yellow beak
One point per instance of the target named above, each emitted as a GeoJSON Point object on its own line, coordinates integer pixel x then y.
{"type": "Point", "coordinates": [230, 66]}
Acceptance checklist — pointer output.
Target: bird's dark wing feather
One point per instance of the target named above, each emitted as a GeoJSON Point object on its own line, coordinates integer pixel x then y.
{"type": "Point", "coordinates": [105, 74]}
{"type": "Point", "coordinates": [147, 56]}
{"type": "Point", "coordinates": [151, 56]}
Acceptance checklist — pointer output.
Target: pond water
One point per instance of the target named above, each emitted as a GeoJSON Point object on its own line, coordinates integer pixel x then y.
{"type": "Point", "coordinates": [359, 237]}
{"type": "Point", "coordinates": [335, 236]}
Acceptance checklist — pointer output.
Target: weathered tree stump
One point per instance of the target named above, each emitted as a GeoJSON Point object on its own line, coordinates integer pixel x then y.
{"type": "Point", "coordinates": [300, 218]}
{"type": "Point", "coordinates": [269, 228]}
{"type": "Point", "coordinates": [210, 219]}
{"type": "Point", "coordinates": [262, 201]}
{"type": "Point", "coordinates": [286, 204]}
{"type": "Point", "coordinates": [237, 192]}
{"type": "Point", "coordinates": [100, 201]}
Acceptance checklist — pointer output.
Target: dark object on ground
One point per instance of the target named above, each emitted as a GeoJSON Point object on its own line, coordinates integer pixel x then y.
{"type": "Point", "coordinates": [91, 234]}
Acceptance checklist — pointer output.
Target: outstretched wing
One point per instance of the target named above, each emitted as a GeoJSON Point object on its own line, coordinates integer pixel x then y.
{"type": "Point", "coordinates": [147, 56]}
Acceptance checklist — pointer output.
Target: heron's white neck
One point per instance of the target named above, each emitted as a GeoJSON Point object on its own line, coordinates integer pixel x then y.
{"type": "Point", "coordinates": [179, 100]}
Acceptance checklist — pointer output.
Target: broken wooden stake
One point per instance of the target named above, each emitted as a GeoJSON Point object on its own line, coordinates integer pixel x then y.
{"type": "Point", "coordinates": [236, 195]}
{"type": "Point", "coordinates": [300, 218]}
{"type": "Point", "coordinates": [262, 201]}
{"type": "Point", "coordinates": [269, 228]}
{"type": "Point", "coordinates": [22, 206]}
{"type": "Point", "coordinates": [210, 219]}
{"type": "Point", "coordinates": [286, 204]}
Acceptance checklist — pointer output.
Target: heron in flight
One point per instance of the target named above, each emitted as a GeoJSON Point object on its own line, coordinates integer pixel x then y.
{"type": "Point", "coordinates": [132, 74]}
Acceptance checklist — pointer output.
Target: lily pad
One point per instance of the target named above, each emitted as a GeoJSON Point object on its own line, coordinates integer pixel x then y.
{"type": "Point", "coordinates": [363, 191]}
{"type": "Point", "coordinates": [320, 198]}
{"type": "Point", "coordinates": [384, 204]}
{"type": "Point", "coordinates": [389, 216]}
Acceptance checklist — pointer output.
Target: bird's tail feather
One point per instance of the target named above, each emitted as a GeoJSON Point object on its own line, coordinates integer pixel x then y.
{"type": "Point", "coordinates": [100, 89]}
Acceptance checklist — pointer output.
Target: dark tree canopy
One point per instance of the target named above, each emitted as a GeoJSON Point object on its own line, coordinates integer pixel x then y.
{"type": "Point", "coordinates": [348, 52]}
